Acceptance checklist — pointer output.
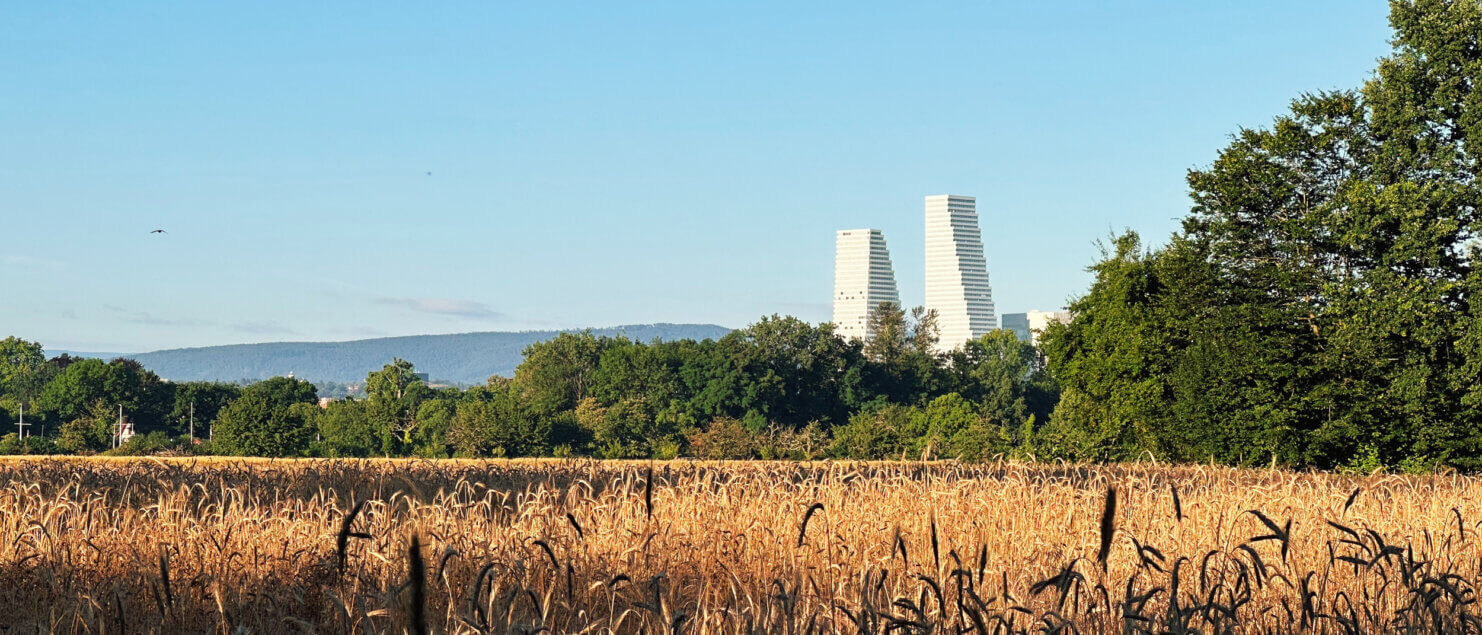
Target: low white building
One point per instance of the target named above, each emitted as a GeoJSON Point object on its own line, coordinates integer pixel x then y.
{"type": "Point", "coordinates": [1030, 324]}
{"type": "Point", "coordinates": [122, 432]}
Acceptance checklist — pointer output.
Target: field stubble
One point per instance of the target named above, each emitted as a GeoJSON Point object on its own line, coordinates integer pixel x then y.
{"type": "Point", "coordinates": [585, 546]}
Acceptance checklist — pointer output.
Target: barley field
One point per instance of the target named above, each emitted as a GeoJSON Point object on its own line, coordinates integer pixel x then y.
{"type": "Point", "coordinates": [189, 545]}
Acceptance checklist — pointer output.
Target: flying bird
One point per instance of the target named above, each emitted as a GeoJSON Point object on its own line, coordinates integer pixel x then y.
{"type": "Point", "coordinates": [159, 231]}
{"type": "Point", "coordinates": [429, 174]}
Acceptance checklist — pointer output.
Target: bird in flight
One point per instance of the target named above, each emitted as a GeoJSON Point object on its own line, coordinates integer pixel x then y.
{"type": "Point", "coordinates": [429, 174]}
{"type": "Point", "coordinates": [159, 231]}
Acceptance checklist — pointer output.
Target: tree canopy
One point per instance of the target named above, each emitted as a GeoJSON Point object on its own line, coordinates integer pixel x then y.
{"type": "Point", "coordinates": [1319, 302]}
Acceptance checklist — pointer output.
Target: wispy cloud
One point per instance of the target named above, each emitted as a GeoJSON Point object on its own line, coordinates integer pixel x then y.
{"type": "Point", "coordinates": [146, 318]}
{"type": "Point", "coordinates": [806, 306]}
{"type": "Point", "coordinates": [262, 327]}
{"type": "Point", "coordinates": [22, 260]}
{"type": "Point", "coordinates": [449, 307]}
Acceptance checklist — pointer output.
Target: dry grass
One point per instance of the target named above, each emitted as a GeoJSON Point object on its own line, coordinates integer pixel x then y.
{"type": "Point", "coordinates": [508, 546]}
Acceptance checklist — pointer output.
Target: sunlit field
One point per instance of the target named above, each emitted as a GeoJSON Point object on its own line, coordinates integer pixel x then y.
{"type": "Point", "coordinates": [150, 545]}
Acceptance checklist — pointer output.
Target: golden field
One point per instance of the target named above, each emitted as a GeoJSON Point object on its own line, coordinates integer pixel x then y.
{"type": "Point", "coordinates": [189, 545]}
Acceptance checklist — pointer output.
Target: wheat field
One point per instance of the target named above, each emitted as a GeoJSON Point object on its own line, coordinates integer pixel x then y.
{"type": "Point", "coordinates": [188, 545]}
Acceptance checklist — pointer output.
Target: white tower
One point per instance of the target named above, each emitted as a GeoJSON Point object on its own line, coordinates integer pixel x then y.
{"type": "Point", "coordinates": [956, 271]}
{"type": "Point", "coordinates": [863, 278]}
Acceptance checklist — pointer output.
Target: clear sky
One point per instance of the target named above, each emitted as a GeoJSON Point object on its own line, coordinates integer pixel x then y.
{"type": "Point", "coordinates": [596, 164]}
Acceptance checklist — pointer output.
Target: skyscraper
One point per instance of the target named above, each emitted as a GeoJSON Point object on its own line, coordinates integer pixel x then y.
{"type": "Point", "coordinates": [863, 278]}
{"type": "Point", "coordinates": [956, 271]}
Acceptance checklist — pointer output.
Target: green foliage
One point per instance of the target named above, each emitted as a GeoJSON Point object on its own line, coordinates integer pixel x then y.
{"type": "Point", "coordinates": [497, 424]}
{"type": "Point", "coordinates": [668, 449]}
{"type": "Point", "coordinates": [156, 442]}
{"type": "Point", "coordinates": [1006, 377]}
{"type": "Point", "coordinates": [393, 395]}
{"type": "Point", "coordinates": [282, 392]}
{"type": "Point", "coordinates": [122, 382]}
{"type": "Point", "coordinates": [1318, 307]}
{"type": "Point", "coordinates": [724, 438]}
{"type": "Point", "coordinates": [201, 400]}
{"type": "Point", "coordinates": [1110, 361]}
{"type": "Point", "coordinates": [952, 427]}
{"type": "Point", "coordinates": [89, 431]}
{"type": "Point", "coordinates": [905, 363]}
{"type": "Point", "coordinates": [13, 444]}
{"type": "Point", "coordinates": [775, 389]}
{"type": "Point", "coordinates": [429, 438]}
{"type": "Point", "coordinates": [345, 431]}
{"type": "Point", "coordinates": [1365, 461]}
{"type": "Point", "coordinates": [20, 362]}
{"type": "Point", "coordinates": [557, 374]}
{"type": "Point", "coordinates": [780, 369]}
{"type": "Point", "coordinates": [271, 418]}
{"type": "Point", "coordinates": [629, 429]}
{"type": "Point", "coordinates": [875, 433]}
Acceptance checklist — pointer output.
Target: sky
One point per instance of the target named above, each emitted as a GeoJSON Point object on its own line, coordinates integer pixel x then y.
{"type": "Point", "coordinates": [335, 170]}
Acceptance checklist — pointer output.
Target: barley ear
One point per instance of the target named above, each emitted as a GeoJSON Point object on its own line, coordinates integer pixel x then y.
{"type": "Point", "coordinates": [417, 582]}
{"type": "Point", "coordinates": [803, 530]}
{"type": "Point", "coordinates": [1108, 525]}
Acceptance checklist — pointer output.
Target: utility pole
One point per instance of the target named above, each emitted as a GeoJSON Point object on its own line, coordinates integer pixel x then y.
{"type": "Point", "coordinates": [20, 426]}
{"type": "Point", "coordinates": [118, 428]}
{"type": "Point", "coordinates": [192, 424]}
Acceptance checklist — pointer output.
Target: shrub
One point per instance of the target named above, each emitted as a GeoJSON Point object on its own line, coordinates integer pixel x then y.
{"type": "Point", "coordinates": [90, 432]}
{"type": "Point", "coordinates": [156, 442]}
{"type": "Point", "coordinates": [873, 434]}
{"type": "Point", "coordinates": [724, 438]}
{"type": "Point", "coordinates": [12, 444]}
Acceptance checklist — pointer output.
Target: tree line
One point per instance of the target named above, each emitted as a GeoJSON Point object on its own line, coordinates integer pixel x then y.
{"type": "Point", "coordinates": [779, 388]}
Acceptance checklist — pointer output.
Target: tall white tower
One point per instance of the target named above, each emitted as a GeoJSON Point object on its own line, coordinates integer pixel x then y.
{"type": "Point", "coordinates": [863, 278]}
{"type": "Point", "coordinates": [956, 271]}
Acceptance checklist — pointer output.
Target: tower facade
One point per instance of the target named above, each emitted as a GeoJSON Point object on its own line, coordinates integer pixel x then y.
{"type": "Point", "coordinates": [956, 271]}
{"type": "Point", "coordinates": [863, 278]}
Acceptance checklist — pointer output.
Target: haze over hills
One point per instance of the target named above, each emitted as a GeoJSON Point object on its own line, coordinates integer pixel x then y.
{"type": "Point", "coordinates": [468, 358]}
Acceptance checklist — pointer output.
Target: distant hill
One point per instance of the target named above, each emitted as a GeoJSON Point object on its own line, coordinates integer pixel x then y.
{"type": "Point", "coordinates": [468, 358]}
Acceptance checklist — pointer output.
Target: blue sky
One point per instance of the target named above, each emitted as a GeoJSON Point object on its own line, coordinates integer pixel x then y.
{"type": "Point", "coordinates": [595, 164]}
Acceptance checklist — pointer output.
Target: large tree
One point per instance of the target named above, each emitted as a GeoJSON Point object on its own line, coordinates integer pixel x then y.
{"type": "Point", "coordinates": [558, 373]}
{"type": "Point", "coordinates": [345, 430]}
{"type": "Point", "coordinates": [271, 418]}
{"type": "Point", "coordinates": [904, 364]}
{"type": "Point", "coordinates": [145, 398]}
{"type": "Point", "coordinates": [19, 361]}
{"type": "Point", "coordinates": [393, 395]}
{"type": "Point", "coordinates": [1314, 302]}
{"type": "Point", "coordinates": [779, 370]}
{"type": "Point", "coordinates": [497, 423]}
{"type": "Point", "coordinates": [1005, 376]}
{"type": "Point", "coordinates": [200, 401]}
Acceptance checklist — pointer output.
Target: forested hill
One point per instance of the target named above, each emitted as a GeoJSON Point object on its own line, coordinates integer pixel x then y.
{"type": "Point", "coordinates": [463, 357]}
